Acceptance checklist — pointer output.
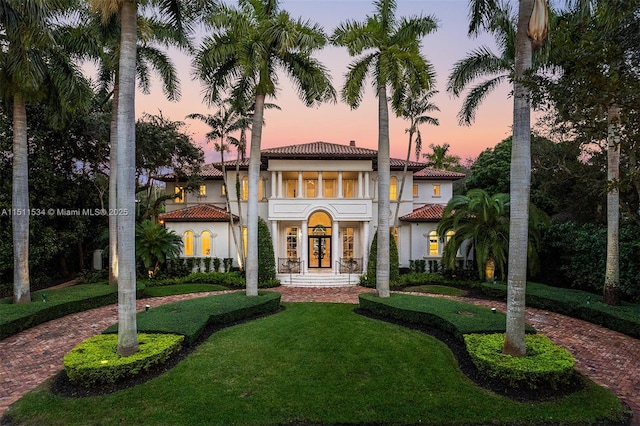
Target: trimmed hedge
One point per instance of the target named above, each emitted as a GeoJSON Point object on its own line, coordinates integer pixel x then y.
{"type": "Point", "coordinates": [546, 364]}
{"type": "Point", "coordinates": [61, 302]}
{"type": "Point", "coordinates": [451, 316]}
{"type": "Point", "coordinates": [189, 318]}
{"type": "Point", "coordinates": [577, 304]}
{"type": "Point", "coordinates": [227, 279]}
{"type": "Point", "coordinates": [169, 290]}
{"type": "Point", "coordinates": [96, 361]}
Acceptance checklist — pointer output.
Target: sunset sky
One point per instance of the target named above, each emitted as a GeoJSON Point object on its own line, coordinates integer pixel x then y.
{"type": "Point", "coordinates": [337, 123]}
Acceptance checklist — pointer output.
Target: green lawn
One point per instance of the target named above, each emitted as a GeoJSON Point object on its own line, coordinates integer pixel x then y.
{"type": "Point", "coordinates": [313, 363]}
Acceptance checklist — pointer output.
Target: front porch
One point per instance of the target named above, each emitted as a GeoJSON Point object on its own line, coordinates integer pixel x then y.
{"type": "Point", "coordinates": [345, 273]}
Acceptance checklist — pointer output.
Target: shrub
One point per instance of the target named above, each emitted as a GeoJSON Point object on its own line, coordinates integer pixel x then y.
{"type": "Point", "coordinates": [421, 278]}
{"type": "Point", "coordinates": [207, 264]}
{"type": "Point", "coordinates": [95, 361]}
{"type": "Point", "coordinates": [546, 364]}
{"type": "Point", "coordinates": [216, 264]}
{"type": "Point", "coordinates": [227, 262]}
{"type": "Point", "coordinates": [269, 284]}
{"type": "Point", "coordinates": [266, 257]}
{"type": "Point", "coordinates": [418, 265]}
{"type": "Point", "coordinates": [394, 263]}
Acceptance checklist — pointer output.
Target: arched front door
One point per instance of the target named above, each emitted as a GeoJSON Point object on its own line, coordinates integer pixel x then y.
{"type": "Point", "coordinates": [319, 240]}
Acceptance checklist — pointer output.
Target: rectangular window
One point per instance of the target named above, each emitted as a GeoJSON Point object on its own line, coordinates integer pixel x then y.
{"type": "Point", "coordinates": [436, 190]}
{"type": "Point", "coordinates": [433, 243]}
{"type": "Point", "coordinates": [348, 243]}
{"type": "Point", "coordinates": [224, 190]}
{"type": "Point", "coordinates": [290, 188]}
{"type": "Point", "coordinates": [292, 242]}
{"type": "Point", "coordinates": [329, 188]}
{"type": "Point", "coordinates": [310, 188]}
{"type": "Point", "coordinates": [179, 195]}
{"type": "Point", "coordinates": [244, 240]}
{"type": "Point", "coordinates": [415, 191]}
{"type": "Point", "coordinates": [349, 188]}
{"type": "Point", "coordinates": [202, 191]}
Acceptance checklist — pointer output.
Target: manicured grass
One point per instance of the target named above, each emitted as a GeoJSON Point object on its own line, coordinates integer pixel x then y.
{"type": "Point", "coordinates": [170, 290]}
{"type": "Point", "coordinates": [314, 364]}
{"type": "Point", "coordinates": [438, 289]}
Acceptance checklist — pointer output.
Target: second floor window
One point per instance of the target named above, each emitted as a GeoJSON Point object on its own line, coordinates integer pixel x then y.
{"type": "Point", "coordinates": [245, 188]}
{"type": "Point", "coordinates": [415, 191]}
{"type": "Point", "coordinates": [179, 195]}
{"type": "Point", "coordinates": [349, 188]}
{"type": "Point", "coordinates": [202, 191]}
{"type": "Point", "coordinates": [393, 188]}
{"type": "Point", "coordinates": [436, 190]}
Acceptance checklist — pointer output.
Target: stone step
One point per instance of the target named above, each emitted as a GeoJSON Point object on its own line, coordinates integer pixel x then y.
{"type": "Point", "coordinates": [319, 280]}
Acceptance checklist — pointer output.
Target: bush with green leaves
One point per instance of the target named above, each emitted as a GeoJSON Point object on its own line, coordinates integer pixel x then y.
{"type": "Point", "coordinates": [414, 278]}
{"type": "Point", "coordinates": [154, 244]}
{"type": "Point", "coordinates": [546, 365]}
{"type": "Point", "coordinates": [574, 255]}
{"type": "Point", "coordinates": [96, 361]}
{"type": "Point", "coordinates": [266, 257]}
{"type": "Point", "coordinates": [394, 264]}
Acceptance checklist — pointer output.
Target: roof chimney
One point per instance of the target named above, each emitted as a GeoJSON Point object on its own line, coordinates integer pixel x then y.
{"type": "Point", "coordinates": [352, 143]}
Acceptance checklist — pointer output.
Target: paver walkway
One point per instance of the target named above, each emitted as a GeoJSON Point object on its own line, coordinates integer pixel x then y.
{"type": "Point", "coordinates": [29, 358]}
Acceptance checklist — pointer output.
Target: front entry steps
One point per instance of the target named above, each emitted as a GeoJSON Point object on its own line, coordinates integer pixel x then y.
{"type": "Point", "coordinates": [319, 280]}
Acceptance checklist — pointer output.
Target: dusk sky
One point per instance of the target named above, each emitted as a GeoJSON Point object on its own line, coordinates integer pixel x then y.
{"type": "Point", "coordinates": [337, 123]}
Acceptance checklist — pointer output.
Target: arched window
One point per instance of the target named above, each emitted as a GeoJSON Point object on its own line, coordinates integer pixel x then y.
{"type": "Point", "coordinates": [393, 188]}
{"type": "Point", "coordinates": [188, 240]}
{"type": "Point", "coordinates": [433, 243]}
{"type": "Point", "coordinates": [205, 239]}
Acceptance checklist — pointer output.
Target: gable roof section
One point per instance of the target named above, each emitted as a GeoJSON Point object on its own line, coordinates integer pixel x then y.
{"type": "Point", "coordinates": [207, 172]}
{"type": "Point", "coordinates": [198, 213]}
{"type": "Point", "coordinates": [428, 173]}
{"type": "Point", "coordinates": [426, 213]}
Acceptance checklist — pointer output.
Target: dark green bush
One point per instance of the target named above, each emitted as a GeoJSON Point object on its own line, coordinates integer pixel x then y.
{"type": "Point", "coordinates": [216, 264]}
{"type": "Point", "coordinates": [266, 257]}
{"type": "Point", "coordinates": [575, 255]}
{"type": "Point", "coordinates": [451, 316]}
{"type": "Point", "coordinates": [189, 318]}
{"type": "Point", "coordinates": [394, 264]}
{"type": "Point", "coordinates": [228, 279]}
{"type": "Point", "coordinates": [95, 361]}
{"type": "Point", "coordinates": [577, 304]}
{"type": "Point", "coordinates": [545, 366]}
{"type": "Point", "coordinates": [169, 290]}
{"type": "Point", "coordinates": [421, 278]}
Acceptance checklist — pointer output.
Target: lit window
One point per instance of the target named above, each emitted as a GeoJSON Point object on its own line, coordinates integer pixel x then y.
{"type": "Point", "coordinates": [436, 190]}
{"type": "Point", "coordinates": [245, 188]}
{"type": "Point", "coordinates": [244, 240]}
{"type": "Point", "coordinates": [310, 188]}
{"type": "Point", "coordinates": [415, 191]}
{"type": "Point", "coordinates": [393, 188]}
{"type": "Point", "coordinates": [329, 188]}
{"type": "Point", "coordinates": [449, 235]}
{"type": "Point", "coordinates": [292, 242]}
{"type": "Point", "coordinates": [349, 188]}
{"type": "Point", "coordinates": [393, 231]}
{"type": "Point", "coordinates": [205, 238]}
{"type": "Point", "coordinates": [290, 188]}
{"type": "Point", "coordinates": [224, 190]}
{"type": "Point", "coordinates": [348, 243]}
{"type": "Point", "coordinates": [188, 243]}
{"type": "Point", "coordinates": [433, 243]}
{"type": "Point", "coordinates": [179, 194]}
{"type": "Point", "coordinates": [202, 192]}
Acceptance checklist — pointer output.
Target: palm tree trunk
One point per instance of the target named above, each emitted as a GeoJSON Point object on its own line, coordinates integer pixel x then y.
{"type": "Point", "coordinates": [227, 201]}
{"type": "Point", "coordinates": [612, 272]}
{"type": "Point", "coordinates": [252, 203]}
{"type": "Point", "coordinates": [382, 261]}
{"type": "Point", "coordinates": [125, 184]}
{"type": "Point", "coordinates": [514, 343]}
{"type": "Point", "coordinates": [113, 200]}
{"type": "Point", "coordinates": [20, 203]}
{"type": "Point", "coordinates": [239, 156]}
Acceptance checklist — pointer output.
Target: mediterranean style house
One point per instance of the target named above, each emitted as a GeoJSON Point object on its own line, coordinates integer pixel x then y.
{"type": "Point", "coordinates": [320, 201]}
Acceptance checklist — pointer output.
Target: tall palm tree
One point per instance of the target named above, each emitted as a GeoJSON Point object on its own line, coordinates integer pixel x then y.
{"type": "Point", "coordinates": [125, 153]}
{"type": "Point", "coordinates": [222, 123]}
{"type": "Point", "coordinates": [531, 31]}
{"type": "Point", "coordinates": [34, 66]}
{"type": "Point", "coordinates": [439, 157]}
{"type": "Point", "coordinates": [250, 43]}
{"type": "Point", "coordinates": [390, 50]}
{"type": "Point", "coordinates": [413, 109]}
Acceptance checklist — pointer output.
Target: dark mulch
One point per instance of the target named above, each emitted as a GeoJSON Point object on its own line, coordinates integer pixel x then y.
{"type": "Point", "coordinates": [63, 387]}
{"type": "Point", "coordinates": [470, 370]}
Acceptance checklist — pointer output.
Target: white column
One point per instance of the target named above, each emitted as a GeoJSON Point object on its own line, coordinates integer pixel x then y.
{"type": "Point", "coordinates": [279, 184]}
{"type": "Point", "coordinates": [319, 194]}
{"type": "Point", "coordinates": [304, 247]}
{"type": "Point", "coordinates": [335, 244]}
{"type": "Point", "coordinates": [365, 245]}
{"type": "Point", "coordinates": [339, 184]}
{"type": "Point", "coordinates": [366, 185]}
{"type": "Point", "coordinates": [300, 193]}
{"type": "Point", "coordinates": [274, 192]}
{"type": "Point", "coordinates": [359, 184]}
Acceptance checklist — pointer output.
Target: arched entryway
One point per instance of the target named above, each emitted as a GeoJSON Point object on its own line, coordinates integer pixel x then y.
{"type": "Point", "coordinates": [319, 255]}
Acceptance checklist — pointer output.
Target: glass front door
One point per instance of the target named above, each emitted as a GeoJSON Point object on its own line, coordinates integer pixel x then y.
{"type": "Point", "coordinates": [319, 251]}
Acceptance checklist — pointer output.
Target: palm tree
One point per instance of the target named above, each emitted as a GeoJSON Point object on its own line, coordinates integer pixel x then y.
{"type": "Point", "coordinates": [222, 123]}
{"type": "Point", "coordinates": [531, 31]}
{"type": "Point", "coordinates": [154, 245]}
{"type": "Point", "coordinates": [390, 50]}
{"type": "Point", "coordinates": [413, 109]}
{"type": "Point", "coordinates": [483, 220]}
{"type": "Point", "coordinates": [439, 157]}
{"type": "Point", "coordinates": [248, 46]}
{"type": "Point", "coordinates": [33, 67]}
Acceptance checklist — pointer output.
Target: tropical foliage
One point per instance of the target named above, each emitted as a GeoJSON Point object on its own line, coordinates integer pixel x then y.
{"type": "Point", "coordinates": [154, 245]}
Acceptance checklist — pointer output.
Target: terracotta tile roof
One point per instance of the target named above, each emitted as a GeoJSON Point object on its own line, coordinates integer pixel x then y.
{"type": "Point", "coordinates": [208, 171]}
{"type": "Point", "coordinates": [198, 213]}
{"type": "Point", "coordinates": [316, 150]}
{"type": "Point", "coordinates": [429, 173]}
{"type": "Point", "coordinates": [426, 213]}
